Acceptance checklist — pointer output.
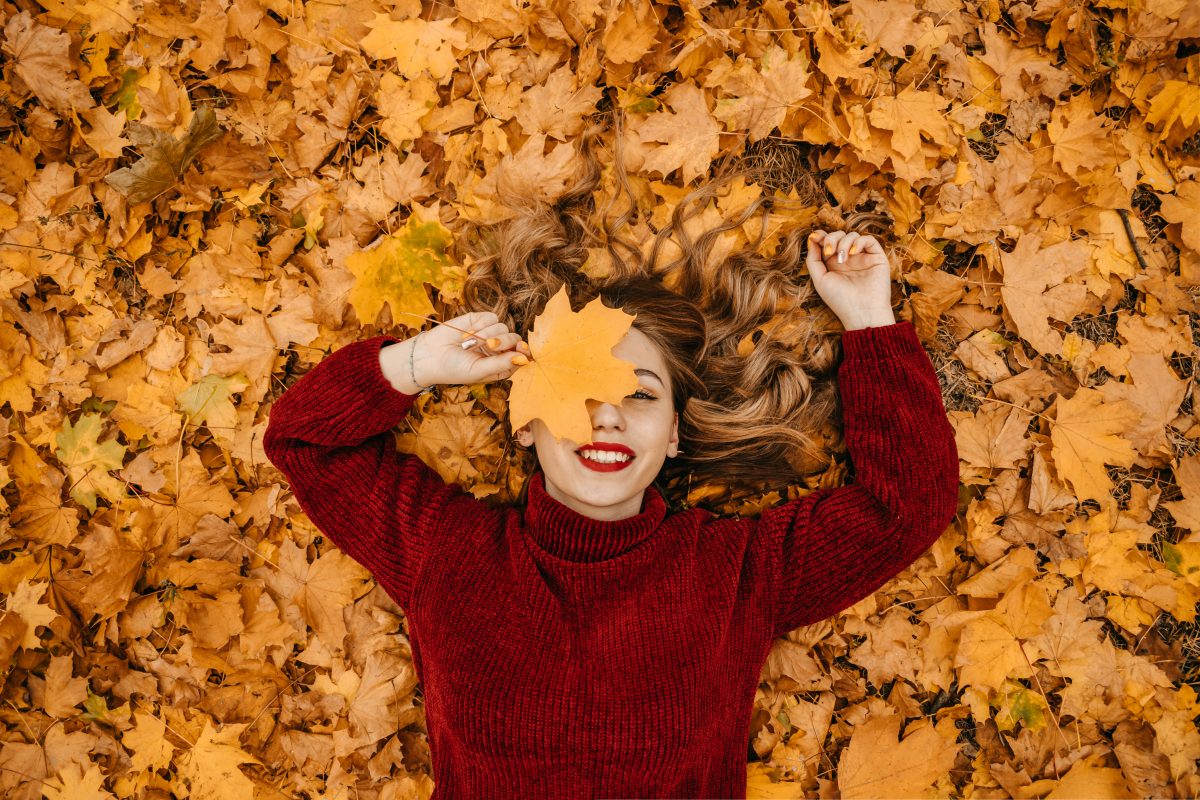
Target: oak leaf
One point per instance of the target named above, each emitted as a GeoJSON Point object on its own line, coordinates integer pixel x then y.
{"type": "Point", "coordinates": [572, 363]}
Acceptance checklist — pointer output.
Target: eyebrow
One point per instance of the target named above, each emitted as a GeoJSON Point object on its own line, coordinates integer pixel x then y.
{"type": "Point", "coordinates": [643, 371]}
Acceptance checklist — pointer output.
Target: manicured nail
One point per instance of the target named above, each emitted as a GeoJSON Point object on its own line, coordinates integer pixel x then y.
{"type": "Point", "coordinates": [852, 249]}
{"type": "Point", "coordinates": [841, 256]}
{"type": "Point", "coordinates": [469, 343]}
{"type": "Point", "coordinates": [828, 250]}
{"type": "Point", "coordinates": [468, 334]}
{"type": "Point", "coordinates": [519, 360]}
{"type": "Point", "coordinates": [493, 342]}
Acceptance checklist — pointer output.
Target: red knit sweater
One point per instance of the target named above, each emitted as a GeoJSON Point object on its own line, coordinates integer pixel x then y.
{"type": "Point", "coordinates": [565, 657]}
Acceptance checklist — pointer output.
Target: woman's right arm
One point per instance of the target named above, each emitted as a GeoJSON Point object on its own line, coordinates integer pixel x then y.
{"type": "Point", "coordinates": [330, 435]}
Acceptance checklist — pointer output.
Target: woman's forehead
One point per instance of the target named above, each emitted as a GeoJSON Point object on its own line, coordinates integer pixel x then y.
{"type": "Point", "coordinates": [639, 348]}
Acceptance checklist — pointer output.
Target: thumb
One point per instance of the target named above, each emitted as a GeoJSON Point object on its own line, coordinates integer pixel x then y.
{"type": "Point", "coordinates": [814, 261]}
{"type": "Point", "coordinates": [496, 368]}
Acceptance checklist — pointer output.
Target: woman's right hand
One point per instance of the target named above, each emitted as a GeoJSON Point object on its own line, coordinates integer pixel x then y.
{"type": "Point", "coordinates": [439, 356]}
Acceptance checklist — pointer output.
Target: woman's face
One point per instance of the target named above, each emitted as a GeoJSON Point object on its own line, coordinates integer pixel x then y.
{"type": "Point", "coordinates": [645, 422]}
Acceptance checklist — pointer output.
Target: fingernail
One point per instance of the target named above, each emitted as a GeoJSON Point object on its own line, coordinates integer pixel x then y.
{"type": "Point", "coordinates": [493, 342]}
{"type": "Point", "coordinates": [468, 334]}
{"type": "Point", "coordinates": [469, 343]}
{"type": "Point", "coordinates": [519, 360]}
{"type": "Point", "coordinates": [841, 256]}
{"type": "Point", "coordinates": [852, 250]}
{"type": "Point", "coordinates": [828, 250]}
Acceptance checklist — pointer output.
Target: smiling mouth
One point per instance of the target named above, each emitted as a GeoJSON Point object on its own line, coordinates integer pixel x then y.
{"type": "Point", "coordinates": [604, 466]}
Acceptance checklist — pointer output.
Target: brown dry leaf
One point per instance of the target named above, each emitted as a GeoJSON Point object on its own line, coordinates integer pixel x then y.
{"type": "Point", "coordinates": [41, 58]}
{"type": "Point", "coordinates": [164, 158]}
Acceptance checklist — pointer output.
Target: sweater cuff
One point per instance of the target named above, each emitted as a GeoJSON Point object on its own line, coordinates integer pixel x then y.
{"type": "Point", "coordinates": [883, 342]}
{"type": "Point", "coordinates": [375, 383]}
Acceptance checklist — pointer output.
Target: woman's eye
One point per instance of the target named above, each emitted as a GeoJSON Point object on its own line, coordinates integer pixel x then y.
{"type": "Point", "coordinates": [642, 394]}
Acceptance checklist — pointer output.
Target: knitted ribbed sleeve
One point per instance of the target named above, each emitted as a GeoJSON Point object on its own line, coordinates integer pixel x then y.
{"type": "Point", "coordinates": [835, 546]}
{"type": "Point", "coordinates": [330, 435]}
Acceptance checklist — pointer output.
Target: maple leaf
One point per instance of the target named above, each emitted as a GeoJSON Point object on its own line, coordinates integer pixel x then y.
{"type": "Point", "coordinates": [763, 94]}
{"type": "Point", "coordinates": [74, 783]}
{"type": "Point", "coordinates": [211, 766]}
{"type": "Point", "coordinates": [572, 363]}
{"type": "Point", "coordinates": [632, 29]}
{"type": "Point", "coordinates": [1086, 436]}
{"type": "Point", "coordinates": [147, 742]}
{"type": "Point", "coordinates": [41, 58]}
{"type": "Point", "coordinates": [23, 603]}
{"type": "Point", "coordinates": [877, 764]}
{"type": "Point", "coordinates": [63, 691]}
{"type": "Point", "coordinates": [165, 159]}
{"type": "Point", "coordinates": [396, 267]}
{"type": "Point", "coordinates": [1183, 207]}
{"type": "Point", "coordinates": [88, 461]}
{"type": "Point", "coordinates": [908, 115]}
{"type": "Point", "coordinates": [447, 441]}
{"type": "Point", "coordinates": [1036, 288]}
{"type": "Point", "coordinates": [105, 136]}
{"type": "Point", "coordinates": [689, 135]}
{"type": "Point", "coordinates": [417, 45]}
{"type": "Point", "coordinates": [1177, 104]}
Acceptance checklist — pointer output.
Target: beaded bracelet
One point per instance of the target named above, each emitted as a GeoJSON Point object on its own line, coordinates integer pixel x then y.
{"type": "Point", "coordinates": [412, 372]}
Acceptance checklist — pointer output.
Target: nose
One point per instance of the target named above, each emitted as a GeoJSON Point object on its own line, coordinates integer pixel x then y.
{"type": "Point", "coordinates": [605, 415]}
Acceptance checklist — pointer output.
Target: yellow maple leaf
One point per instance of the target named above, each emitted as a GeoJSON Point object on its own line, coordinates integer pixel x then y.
{"type": "Point", "coordinates": [25, 604]}
{"type": "Point", "coordinates": [396, 268]}
{"type": "Point", "coordinates": [417, 45]}
{"type": "Point", "coordinates": [147, 743]}
{"type": "Point", "coordinates": [1178, 104]}
{"type": "Point", "coordinates": [1183, 207]}
{"type": "Point", "coordinates": [689, 135]}
{"type": "Point", "coordinates": [877, 764]}
{"type": "Point", "coordinates": [211, 766]}
{"type": "Point", "coordinates": [89, 460]}
{"type": "Point", "coordinates": [572, 363]}
{"type": "Point", "coordinates": [74, 782]}
{"type": "Point", "coordinates": [1086, 437]}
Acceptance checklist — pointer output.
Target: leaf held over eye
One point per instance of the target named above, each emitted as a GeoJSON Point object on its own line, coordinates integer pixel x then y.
{"type": "Point", "coordinates": [572, 363]}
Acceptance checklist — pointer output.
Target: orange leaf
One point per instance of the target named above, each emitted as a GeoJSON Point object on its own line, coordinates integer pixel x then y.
{"type": "Point", "coordinates": [572, 363]}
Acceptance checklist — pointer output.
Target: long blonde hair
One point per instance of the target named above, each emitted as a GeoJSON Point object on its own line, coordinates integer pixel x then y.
{"type": "Point", "coordinates": [765, 414]}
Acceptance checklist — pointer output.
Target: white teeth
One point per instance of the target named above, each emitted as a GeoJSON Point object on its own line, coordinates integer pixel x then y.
{"type": "Point", "coordinates": [603, 456]}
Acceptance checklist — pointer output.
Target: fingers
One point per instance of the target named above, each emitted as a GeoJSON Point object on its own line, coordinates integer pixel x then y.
{"type": "Point", "coordinates": [813, 260]}
{"type": "Point", "coordinates": [837, 246]}
{"type": "Point", "coordinates": [495, 338]}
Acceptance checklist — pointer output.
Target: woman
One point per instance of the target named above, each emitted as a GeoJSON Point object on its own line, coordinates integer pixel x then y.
{"type": "Point", "coordinates": [585, 642]}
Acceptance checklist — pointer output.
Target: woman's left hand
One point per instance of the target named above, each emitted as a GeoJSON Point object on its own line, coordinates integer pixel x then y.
{"type": "Point", "coordinates": [852, 275]}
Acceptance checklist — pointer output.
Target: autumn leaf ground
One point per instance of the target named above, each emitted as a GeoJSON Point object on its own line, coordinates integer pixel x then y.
{"type": "Point", "coordinates": [198, 201]}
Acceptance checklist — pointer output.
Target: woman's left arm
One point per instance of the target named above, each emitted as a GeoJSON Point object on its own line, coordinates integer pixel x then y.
{"type": "Point", "coordinates": [834, 547]}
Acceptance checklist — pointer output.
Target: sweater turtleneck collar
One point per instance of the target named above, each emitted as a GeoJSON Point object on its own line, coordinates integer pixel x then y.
{"type": "Point", "coordinates": [570, 536]}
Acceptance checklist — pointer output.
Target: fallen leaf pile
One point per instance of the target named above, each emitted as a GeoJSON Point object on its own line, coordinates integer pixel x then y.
{"type": "Point", "coordinates": [200, 200]}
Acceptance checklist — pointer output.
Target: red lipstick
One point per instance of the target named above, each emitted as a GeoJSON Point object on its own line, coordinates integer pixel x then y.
{"type": "Point", "coordinates": [610, 447]}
